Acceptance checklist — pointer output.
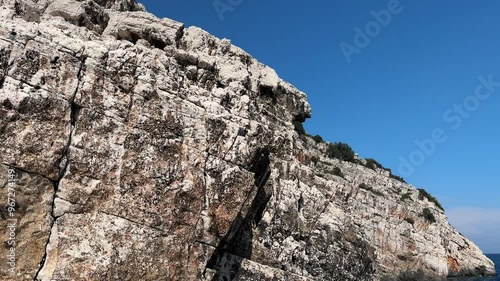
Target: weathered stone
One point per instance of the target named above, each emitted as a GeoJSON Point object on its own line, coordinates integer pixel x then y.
{"type": "Point", "coordinates": [86, 14]}
{"type": "Point", "coordinates": [26, 229]}
{"type": "Point", "coordinates": [132, 26]}
{"type": "Point", "coordinates": [174, 157]}
{"type": "Point", "coordinates": [34, 128]}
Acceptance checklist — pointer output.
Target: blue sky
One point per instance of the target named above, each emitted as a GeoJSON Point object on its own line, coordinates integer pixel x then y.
{"type": "Point", "coordinates": [415, 76]}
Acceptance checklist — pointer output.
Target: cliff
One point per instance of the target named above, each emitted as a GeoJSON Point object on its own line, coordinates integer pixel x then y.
{"type": "Point", "coordinates": [139, 149]}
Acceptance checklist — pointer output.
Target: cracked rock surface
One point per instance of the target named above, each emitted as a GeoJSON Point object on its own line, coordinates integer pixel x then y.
{"type": "Point", "coordinates": [150, 151]}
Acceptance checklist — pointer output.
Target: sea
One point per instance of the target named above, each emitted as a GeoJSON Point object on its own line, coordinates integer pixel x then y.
{"type": "Point", "coordinates": [496, 259]}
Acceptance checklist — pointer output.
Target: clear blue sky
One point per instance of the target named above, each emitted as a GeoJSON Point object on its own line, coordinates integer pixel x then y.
{"type": "Point", "coordinates": [395, 90]}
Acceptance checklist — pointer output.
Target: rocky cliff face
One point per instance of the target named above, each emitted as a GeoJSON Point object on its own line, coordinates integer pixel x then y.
{"type": "Point", "coordinates": [142, 150]}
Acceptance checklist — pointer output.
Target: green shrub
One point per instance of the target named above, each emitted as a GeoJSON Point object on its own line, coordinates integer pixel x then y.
{"type": "Point", "coordinates": [365, 186]}
{"type": "Point", "coordinates": [398, 178]}
{"type": "Point", "coordinates": [422, 193]}
{"type": "Point", "coordinates": [369, 188]}
{"type": "Point", "coordinates": [406, 196]}
{"type": "Point", "coordinates": [410, 221]}
{"type": "Point", "coordinates": [338, 172]}
{"type": "Point", "coordinates": [341, 151]}
{"type": "Point", "coordinates": [428, 216]}
{"type": "Point", "coordinates": [299, 128]}
{"type": "Point", "coordinates": [314, 159]}
{"type": "Point", "coordinates": [372, 164]}
{"type": "Point", "coordinates": [318, 139]}
{"type": "Point", "coordinates": [357, 161]}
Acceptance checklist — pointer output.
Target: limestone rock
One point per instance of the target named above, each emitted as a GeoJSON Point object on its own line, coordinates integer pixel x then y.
{"type": "Point", "coordinates": [174, 157]}
{"type": "Point", "coordinates": [87, 13]}
{"type": "Point", "coordinates": [132, 26]}
{"type": "Point", "coordinates": [27, 229]}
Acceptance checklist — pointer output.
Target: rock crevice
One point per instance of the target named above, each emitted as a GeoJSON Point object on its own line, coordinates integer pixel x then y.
{"type": "Point", "coordinates": [238, 240]}
{"type": "Point", "coordinates": [63, 162]}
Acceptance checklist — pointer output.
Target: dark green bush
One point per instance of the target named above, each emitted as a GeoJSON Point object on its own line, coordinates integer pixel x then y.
{"type": "Point", "coordinates": [428, 215]}
{"type": "Point", "coordinates": [299, 128]}
{"type": "Point", "coordinates": [314, 159]}
{"type": "Point", "coordinates": [341, 151]}
{"type": "Point", "coordinates": [406, 196]}
{"type": "Point", "coordinates": [365, 186]}
{"type": "Point", "coordinates": [338, 172]}
{"type": "Point", "coordinates": [422, 193]}
{"type": "Point", "coordinates": [372, 164]}
{"type": "Point", "coordinates": [318, 139]}
{"type": "Point", "coordinates": [369, 188]}
{"type": "Point", "coordinates": [398, 178]}
{"type": "Point", "coordinates": [410, 221]}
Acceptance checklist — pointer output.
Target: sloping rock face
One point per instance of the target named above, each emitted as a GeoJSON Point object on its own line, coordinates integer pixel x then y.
{"type": "Point", "coordinates": [142, 150]}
